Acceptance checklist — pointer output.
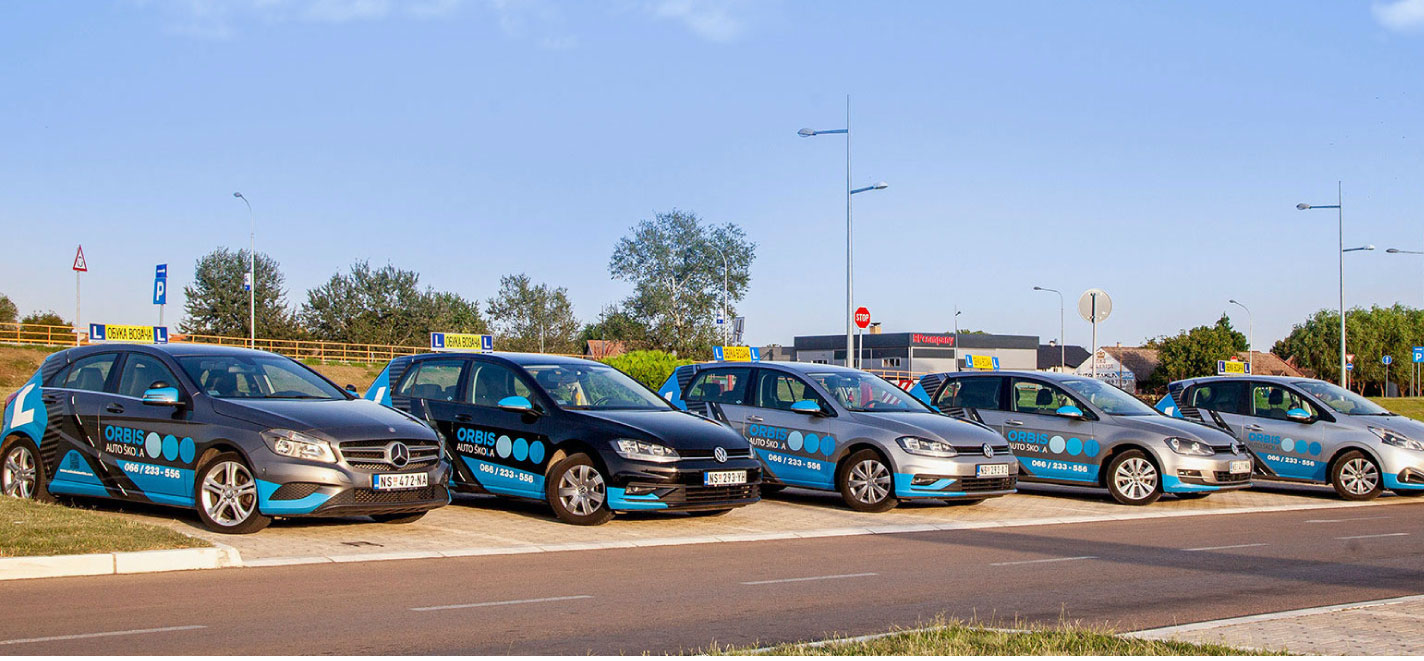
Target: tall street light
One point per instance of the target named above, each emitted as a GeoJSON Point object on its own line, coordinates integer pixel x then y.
{"type": "Point", "coordinates": [1062, 342]}
{"type": "Point", "coordinates": [1250, 337]}
{"type": "Point", "coordinates": [1400, 251]}
{"type": "Point", "coordinates": [726, 277]}
{"type": "Point", "coordinates": [850, 274]}
{"type": "Point", "coordinates": [1339, 207]}
{"type": "Point", "coordinates": [251, 275]}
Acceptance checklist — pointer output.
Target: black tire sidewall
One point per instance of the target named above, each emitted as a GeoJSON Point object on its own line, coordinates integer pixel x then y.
{"type": "Point", "coordinates": [551, 492]}
{"type": "Point", "coordinates": [399, 518]}
{"type": "Point", "coordinates": [255, 522]}
{"type": "Point", "coordinates": [843, 483]}
{"type": "Point", "coordinates": [41, 492]}
{"type": "Point", "coordinates": [1112, 481]}
{"type": "Point", "coordinates": [1339, 465]}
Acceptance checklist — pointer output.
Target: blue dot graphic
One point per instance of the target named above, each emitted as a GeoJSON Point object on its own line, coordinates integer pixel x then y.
{"type": "Point", "coordinates": [1075, 446]}
{"type": "Point", "coordinates": [1056, 444]}
{"type": "Point", "coordinates": [1091, 448]}
{"type": "Point", "coordinates": [828, 445]}
{"type": "Point", "coordinates": [536, 451]}
{"type": "Point", "coordinates": [521, 449]}
{"type": "Point", "coordinates": [170, 447]}
{"type": "Point", "coordinates": [1315, 448]}
{"type": "Point", "coordinates": [153, 445]}
{"type": "Point", "coordinates": [503, 446]}
{"type": "Point", "coordinates": [186, 450]}
{"type": "Point", "coordinates": [793, 441]}
{"type": "Point", "coordinates": [813, 443]}
{"type": "Point", "coordinates": [1288, 445]}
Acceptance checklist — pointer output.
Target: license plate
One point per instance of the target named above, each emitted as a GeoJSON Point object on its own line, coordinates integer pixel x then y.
{"type": "Point", "coordinates": [723, 478]}
{"type": "Point", "coordinates": [1242, 466]}
{"type": "Point", "coordinates": [398, 481]}
{"type": "Point", "coordinates": [991, 470]}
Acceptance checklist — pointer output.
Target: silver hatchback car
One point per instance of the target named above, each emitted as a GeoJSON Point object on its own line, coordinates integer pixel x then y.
{"type": "Point", "coordinates": [837, 429]}
{"type": "Point", "coordinates": [1073, 430]}
{"type": "Point", "coordinates": [1306, 430]}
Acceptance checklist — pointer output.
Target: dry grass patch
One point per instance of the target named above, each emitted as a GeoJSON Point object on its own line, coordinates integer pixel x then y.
{"type": "Point", "coordinates": [31, 528]}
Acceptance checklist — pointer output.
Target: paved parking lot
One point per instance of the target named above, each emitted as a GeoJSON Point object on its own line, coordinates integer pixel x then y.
{"type": "Point", "coordinates": [475, 525]}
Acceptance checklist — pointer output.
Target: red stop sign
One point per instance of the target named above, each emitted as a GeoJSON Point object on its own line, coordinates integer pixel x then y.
{"type": "Point", "coordinates": [862, 317]}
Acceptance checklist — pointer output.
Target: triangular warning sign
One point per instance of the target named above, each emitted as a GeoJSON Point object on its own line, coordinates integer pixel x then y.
{"type": "Point", "coordinates": [79, 264]}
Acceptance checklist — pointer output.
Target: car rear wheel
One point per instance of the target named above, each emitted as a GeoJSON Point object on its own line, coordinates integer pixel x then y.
{"type": "Point", "coordinates": [1356, 476]}
{"type": "Point", "coordinates": [404, 517]}
{"type": "Point", "coordinates": [227, 496]}
{"type": "Point", "coordinates": [577, 491]}
{"type": "Point", "coordinates": [865, 482]}
{"type": "Point", "coordinates": [1133, 479]}
{"type": "Point", "coordinates": [21, 471]}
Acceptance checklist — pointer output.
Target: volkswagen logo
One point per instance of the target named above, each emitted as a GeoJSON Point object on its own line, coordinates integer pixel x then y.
{"type": "Point", "coordinates": [988, 451]}
{"type": "Point", "coordinates": [720, 455]}
{"type": "Point", "coordinates": [1235, 447]}
{"type": "Point", "coordinates": [398, 454]}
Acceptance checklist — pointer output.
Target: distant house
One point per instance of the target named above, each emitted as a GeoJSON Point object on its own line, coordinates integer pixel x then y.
{"type": "Point", "coordinates": [1050, 356]}
{"type": "Point", "coordinates": [1121, 366]}
{"type": "Point", "coordinates": [605, 349]}
{"type": "Point", "coordinates": [1264, 363]}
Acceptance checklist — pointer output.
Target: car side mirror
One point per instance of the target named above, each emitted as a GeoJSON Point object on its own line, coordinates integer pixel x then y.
{"type": "Point", "coordinates": [516, 404]}
{"type": "Point", "coordinates": [1070, 411]}
{"type": "Point", "coordinates": [807, 407]}
{"type": "Point", "coordinates": [351, 389]}
{"type": "Point", "coordinates": [1299, 415]}
{"type": "Point", "coordinates": [162, 394]}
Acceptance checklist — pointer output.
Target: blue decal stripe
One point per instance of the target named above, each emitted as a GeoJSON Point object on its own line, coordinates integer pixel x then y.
{"type": "Point", "coordinates": [506, 481]}
{"type": "Point", "coordinates": [799, 471]}
{"type": "Point", "coordinates": [306, 505]}
{"type": "Point", "coordinates": [619, 500]}
{"type": "Point", "coordinates": [1174, 484]}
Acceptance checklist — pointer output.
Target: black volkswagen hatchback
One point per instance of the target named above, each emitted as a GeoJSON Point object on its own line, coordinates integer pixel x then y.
{"type": "Point", "coordinates": [580, 435]}
{"type": "Point", "coordinates": [239, 435]}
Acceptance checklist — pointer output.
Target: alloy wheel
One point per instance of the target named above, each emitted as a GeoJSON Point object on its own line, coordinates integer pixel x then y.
{"type": "Point", "coordinates": [869, 481]}
{"type": "Point", "coordinates": [229, 493]}
{"type": "Point", "coordinates": [581, 490]}
{"type": "Point", "coordinates": [1359, 476]}
{"type": "Point", "coordinates": [17, 477]}
{"type": "Point", "coordinates": [1136, 478]}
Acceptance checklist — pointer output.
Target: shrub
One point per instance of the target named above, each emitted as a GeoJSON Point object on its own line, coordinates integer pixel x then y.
{"type": "Point", "coordinates": [650, 368]}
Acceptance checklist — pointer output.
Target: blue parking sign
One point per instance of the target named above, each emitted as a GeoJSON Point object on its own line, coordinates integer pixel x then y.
{"type": "Point", "coordinates": [1419, 354]}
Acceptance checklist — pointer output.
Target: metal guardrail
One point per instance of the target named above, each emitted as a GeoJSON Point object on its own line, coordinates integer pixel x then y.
{"type": "Point", "coordinates": [38, 335]}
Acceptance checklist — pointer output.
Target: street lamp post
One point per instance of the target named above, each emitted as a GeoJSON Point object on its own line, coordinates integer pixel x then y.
{"type": "Point", "coordinates": [1062, 341]}
{"type": "Point", "coordinates": [726, 278]}
{"type": "Point", "coordinates": [1414, 377]}
{"type": "Point", "coordinates": [251, 274]}
{"type": "Point", "coordinates": [1250, 337]}
{"type": "Point", "coordinates": [1339, 208]}
{"type": "Point", "coordinates": [850, 274]}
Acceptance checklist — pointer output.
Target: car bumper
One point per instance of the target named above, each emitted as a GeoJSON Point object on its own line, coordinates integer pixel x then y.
{"type": "Point", "coordinates": [1185, 474]}
{"type": "Point", "coordinates": [680, 486]}
{"type": "Point", "coordinates": [1402, 469]}
{"type": "Point", "coordinates": [303, 489]}
{"type": "Point", "coordinates": [953, 478]}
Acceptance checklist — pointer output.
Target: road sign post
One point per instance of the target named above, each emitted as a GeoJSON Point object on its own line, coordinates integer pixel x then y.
{"type": "Point", "coordinates": [160, 289]}
{"type": "Point", "coordinates": [80, 266]}
{"type": "Point", "coordinates": [1094, 305]}
{"type": "Point", "coordinates": [862, 320]}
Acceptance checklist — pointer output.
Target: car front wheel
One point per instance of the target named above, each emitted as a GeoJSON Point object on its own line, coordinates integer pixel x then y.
{"type": "Point", "coordinates": [866, 483]}
{"type": "Point", "coordinates": [1133, 479]}
{"type": "Point", "coordinates": [1356, 476]}
{"type": "Point", "coordinates": [227, 496]}
{"type": "Point", "coordinates": [577, 491]}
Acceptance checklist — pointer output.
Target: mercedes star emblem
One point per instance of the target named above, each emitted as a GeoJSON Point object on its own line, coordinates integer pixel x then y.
{"type": "Point", "coordinates": [398, 453]}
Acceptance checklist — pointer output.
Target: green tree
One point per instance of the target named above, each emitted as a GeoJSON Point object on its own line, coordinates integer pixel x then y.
{"type": "Point", "coordinates": [533, 317]}
{"type": "Point", "coordinates": [675, 263]}
{"type": "Point", "coordinates": [650, 368]}
{"type": "Point", "coordinates": [217, 303]}
{"type": "Point", "coordinates": [616, 324]}
{"type": "Point", "coordinates": [385, 306]}
{"type": "Point", "coordinates": [8, 311]}
{"type": "Point", "coordinates": [37, 326]}
{"type": "Point", "coordinates": [1371, 333]}
{"type": "Point", "coordinates": [1194, 352]}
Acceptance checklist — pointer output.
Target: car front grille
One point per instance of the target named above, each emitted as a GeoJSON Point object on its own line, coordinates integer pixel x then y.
{"type": "Point", "coordinates": [971, 484]}
{"type": "Point", "coordinates": [708, 454]}
{"type": "Point", "coordinates": [373, 497]}
{"type": "Point", "coordinates": [1223, 476]}
{"type": "Point", "coordinates": [719, 494]}
{"type": "Point", "coordinates": [372, 456]}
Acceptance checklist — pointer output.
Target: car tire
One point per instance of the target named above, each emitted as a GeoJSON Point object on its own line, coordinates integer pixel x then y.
{"type": "Point", "coordinates": [228, 502]}
{"type": "Point", "coordinates": [403, 517]}
{"type": "Point", "coordinates": [1192, 495]}
{"type": "Point", "coordinates": [707, 514]}
{"type": "Point", "coordinates": [22, 471]}
{"type": "Point", "coordinates": [1356, 476]}
{"type": "Point", "coordinates": [577, 491]}
{"type": "Point", "coordinates": [866, 482]}
{"type": "Point", "coordinates": [1134, 479]}
{"type": "Point", "coordinates": [1408, 493]}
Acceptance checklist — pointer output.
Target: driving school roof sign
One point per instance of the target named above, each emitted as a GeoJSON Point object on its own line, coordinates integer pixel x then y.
{"type": "Point", "coordinates": [461, 342]}
{"type": "Point", "coordinates": [1228, 367]}
{"type": "Point", "coordinates": [737, 354]}
{"type": "Point", "coordinates": [136, 334]}
{"type": "Point", "coordinates": [986, 363]}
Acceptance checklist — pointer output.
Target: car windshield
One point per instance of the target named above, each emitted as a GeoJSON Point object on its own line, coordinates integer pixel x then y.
{"type": "Point", "coordinates": [866, 393]}
{"type": "Point", "coordinates": [1340, 399]}
{"type": "Point", "coordinates": [257, 377]}
{"type": "Point", "coordinates": [1107, 397]}
{"type": "Point", "coordinates": [594, 388]}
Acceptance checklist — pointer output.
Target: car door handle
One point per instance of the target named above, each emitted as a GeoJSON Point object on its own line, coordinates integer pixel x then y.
{"type": "Point", "coordinates": [755, 418]}
{"type": "Point", "coordinates": [463, 417]}
{"type": "Point", "coordinates": [114, 408]}
{"type": "Point", "coordinates": [1014, 423]}
{"type": "Point", "coordinates": [1254, 427]}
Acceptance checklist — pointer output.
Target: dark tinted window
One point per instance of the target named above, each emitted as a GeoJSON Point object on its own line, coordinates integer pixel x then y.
{"type": "Point", "coordinates": [490, 383]}
{"type": "Point", "coordinates": [971, 393]}
{"type": "Point", "coordinates": [433, 379]}
{"type": "Point", "coordinates": [1220, 396]}
{"type": "Point", "coordinates": [779, 390]}
{"type": "Point", "coordinates": [90, 372]}
{"type": "Point", "coordinates": [141, 371]}
{"type": "Point", "coordinates": [724, 386]}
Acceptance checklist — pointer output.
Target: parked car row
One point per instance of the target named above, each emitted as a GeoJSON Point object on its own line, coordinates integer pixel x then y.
{"type": "Point", "coordinates": [243, 436]}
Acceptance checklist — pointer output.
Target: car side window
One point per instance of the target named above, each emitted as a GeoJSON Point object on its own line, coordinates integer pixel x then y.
{"type": "Point", "coordinates": [722, 386]}
{"type": "Point", "coordinates": [971, 393]}
{"type": "Point", "coordinates": [490, 383]}
{"type": "Point", "coordinates": [779, 390]}
{"type": "Point", "coordinates": [1038, 397]}
{"type": "Point", "coordinates": [141, 371]}
{"type": "Point", "coordinates": [1219, 396]}
{"type": "Point", "coordinates": [90, 372]}
{"type": "Point", "coordinates": [433, 379]}
{"type": "Point", "coordinates": [1269, 400]}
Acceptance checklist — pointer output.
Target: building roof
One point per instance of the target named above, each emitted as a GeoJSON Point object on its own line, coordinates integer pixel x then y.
{"type": "Point", "coordinates": [1050, 356]}
{"type": "Point", "coordinates": [1142, 362]}
{"type": "Point", "coordinates": [1264, 363]}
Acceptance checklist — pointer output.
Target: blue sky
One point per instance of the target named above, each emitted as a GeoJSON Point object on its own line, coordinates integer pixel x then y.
{"type": "Point", "coordinates": [1154, 150]}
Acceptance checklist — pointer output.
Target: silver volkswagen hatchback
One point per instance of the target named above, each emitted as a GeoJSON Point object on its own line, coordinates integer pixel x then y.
{"type": "Point", "coordinates": [837, 429]}
{"type": "Point", "coordinates": [1306, 430]}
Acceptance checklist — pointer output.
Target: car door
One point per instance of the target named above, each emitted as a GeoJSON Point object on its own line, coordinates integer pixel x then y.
{"type": "Point", "coordinates": [1050, 446]}
{"type": "Point", "coordinates": [162, 439]}
{"type": "Point", "coordinates": [981, 394]}
{"type": "Point", "coordinates": [1288, 448]}
{"type": "Point", "coordinates": [722, 394]}
{"type": "Point", "coordinates": [504, 452]}
{"type": "Point", "coordinates": [85, 463]}
{"type": "Point", "coordinates": [796, 448]}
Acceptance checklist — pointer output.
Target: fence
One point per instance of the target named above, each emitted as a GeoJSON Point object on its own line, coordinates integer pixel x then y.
{"type": "Point", "coordinates": [38, 335]}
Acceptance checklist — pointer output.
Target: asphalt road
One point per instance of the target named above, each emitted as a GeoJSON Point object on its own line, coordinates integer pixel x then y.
{"type": "Point", "coordinates": [1126, 575]}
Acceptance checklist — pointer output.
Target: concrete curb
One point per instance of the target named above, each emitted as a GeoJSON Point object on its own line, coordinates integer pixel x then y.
{"type": "Point", "coordinates": [126, 562]}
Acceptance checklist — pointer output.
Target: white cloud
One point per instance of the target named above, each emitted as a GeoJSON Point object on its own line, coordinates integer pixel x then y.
{"type": "Point", "coordinates": [1400, 15]}
{"type": "Point", "coordinates": [712, 20]}
{"type": "Point", "coordinates": [215, 18]}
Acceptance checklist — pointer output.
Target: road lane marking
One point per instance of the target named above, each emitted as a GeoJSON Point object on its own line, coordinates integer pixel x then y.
{"type": "Point", "coordinates": [1031, 562]}
{"type": "Point", "coordinates": [102, 634]}
{"type": "Point", "coordinates": [1387, 534]}
{"type": "Point", "coordinates": [1223, 548]}
{"type": "Point", "coordinates": [511, 602]}
{"type": "Point", "coordinates": [809, 578]}
{"type": "Point", "coordinates": [1358, 518]}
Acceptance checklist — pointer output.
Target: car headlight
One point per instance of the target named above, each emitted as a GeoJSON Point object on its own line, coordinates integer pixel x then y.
{"type": "Point", "coordinates": [926, 447]}
{"type": "Point", "coordinates": [297, 445]}
{"type": "Point", "coordinates": [1396, 439]}
{"type": "Point", "coordinates": [1188, 446]}
{"type": "Point", "coordinates": [635, 450]}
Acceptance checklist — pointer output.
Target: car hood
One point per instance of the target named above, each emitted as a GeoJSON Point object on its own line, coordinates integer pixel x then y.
{"type": "Point", "coordinates": [676, 429]}
{"type": "Point", "coordinates": [1163, 426]}
{"type": "Point", "coordinates": [933, 425]}
{"type": "Point", "coordinates": [1407, 427]}
{"type": "Point", "coordinates": [336, 420]}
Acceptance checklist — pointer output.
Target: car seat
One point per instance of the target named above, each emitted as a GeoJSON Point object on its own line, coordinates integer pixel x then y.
{"type": "Point", "coordinates": [220, 384]}
{"type": "Point", "coordinates": [1277, 399]}
{"type": "Point", "coordinates": [89, 378]}
{"type": "Point", "coordinates": [1044, 398]}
